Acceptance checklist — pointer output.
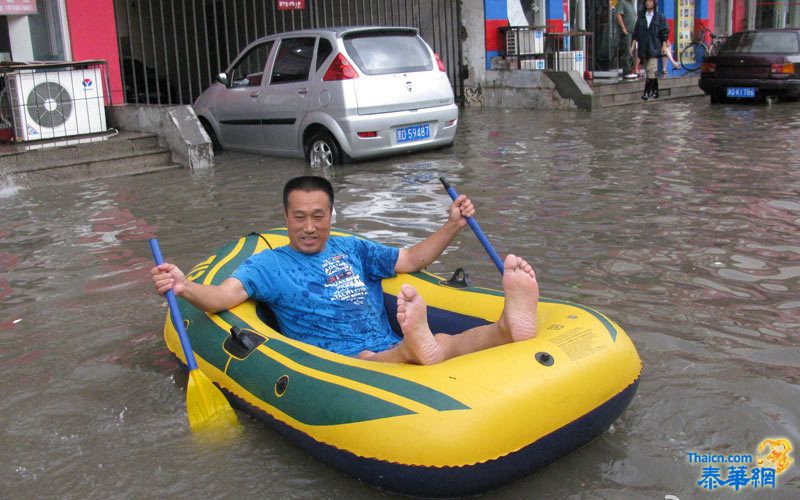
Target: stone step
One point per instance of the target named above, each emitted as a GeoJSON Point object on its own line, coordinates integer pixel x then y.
{"type": "Point", "coordinates": [636, 98]}
{"type": "Point", "coordinates": [627, 93]}
{"type": "Point", "coordinates": [638, 85]}
{"type": "Point", "coordinates": [23, 163]}
{"type": "Point", "coordinates": [132, 164]}
{"type": "Point", "coordinates": [69, 150]}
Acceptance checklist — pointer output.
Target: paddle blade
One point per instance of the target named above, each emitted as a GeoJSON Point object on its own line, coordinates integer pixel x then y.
{"type": "Point", "coordinates": [206, 405]}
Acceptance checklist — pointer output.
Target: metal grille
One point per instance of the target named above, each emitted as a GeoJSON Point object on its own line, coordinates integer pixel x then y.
{"type": "Point", "coordinates": [49, 100]}
{"type": "Point", "coordinates": [170, 50]}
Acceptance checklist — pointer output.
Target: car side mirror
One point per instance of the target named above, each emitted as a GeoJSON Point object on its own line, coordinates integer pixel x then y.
{"type": "Point", "coordinates": [223, 78]}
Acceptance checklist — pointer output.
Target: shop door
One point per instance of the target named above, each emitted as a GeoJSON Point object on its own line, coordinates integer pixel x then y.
{"type": "Point", "coordinates": [598, 21]}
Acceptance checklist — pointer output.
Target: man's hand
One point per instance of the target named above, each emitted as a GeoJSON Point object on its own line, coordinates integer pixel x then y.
{"type": "Point", "coordinates": [426, 251]}
{"type": "Point", "coordinates": [461, 208]}
{"type": "Point", "coordinates": [168, 277]}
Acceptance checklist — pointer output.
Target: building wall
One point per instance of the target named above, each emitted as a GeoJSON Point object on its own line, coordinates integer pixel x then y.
{"type": "Point", "coordinates": [93, 35]}
{"type": "Point", "coordinates": [473, 47]}
{"type": "Point", "coordinates": [496, 16]}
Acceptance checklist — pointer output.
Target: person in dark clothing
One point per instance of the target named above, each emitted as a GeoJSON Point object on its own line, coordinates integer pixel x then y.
{"type": "Point", "coordinates": [650, 35]}
{"type": "Point", "coordinates": [626, 20]}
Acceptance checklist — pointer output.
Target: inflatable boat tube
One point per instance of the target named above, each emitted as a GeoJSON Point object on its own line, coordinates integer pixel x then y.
{"type": "Point", "coordinates": [464, 426]}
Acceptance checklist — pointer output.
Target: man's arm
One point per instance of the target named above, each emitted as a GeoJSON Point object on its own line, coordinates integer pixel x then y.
{"type": "Point", "coordinates": [423, 253]}
{"type": "Point", "coordinates": [210, 298]}
{"type": "Point", "coordinates": [621, 23]}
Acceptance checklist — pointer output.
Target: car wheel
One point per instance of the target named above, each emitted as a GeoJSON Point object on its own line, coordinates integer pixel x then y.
{"type": "Point", "coordinates": [718, 99]}
{"type": "Point", "coordinates": [215, 145]}
{"type": "Point", "coordinates": [323, 151]}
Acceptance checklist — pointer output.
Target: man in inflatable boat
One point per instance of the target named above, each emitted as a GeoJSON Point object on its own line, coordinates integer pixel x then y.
{"type": "Point", "coordinates": [326, 291]}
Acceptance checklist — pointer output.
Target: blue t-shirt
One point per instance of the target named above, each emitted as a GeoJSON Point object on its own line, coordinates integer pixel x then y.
{"type": "Point", "coordinates": [332, 299]}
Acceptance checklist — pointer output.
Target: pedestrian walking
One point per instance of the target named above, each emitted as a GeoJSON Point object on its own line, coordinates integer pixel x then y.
{"type": "Point", "coordinates": [650, 35]}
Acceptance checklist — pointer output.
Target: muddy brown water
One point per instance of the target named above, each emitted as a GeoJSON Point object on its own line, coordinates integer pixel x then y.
{"type": "Point", "coordinates": [680, 221]}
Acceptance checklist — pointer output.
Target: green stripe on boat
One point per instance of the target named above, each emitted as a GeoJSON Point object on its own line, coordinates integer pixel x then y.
{"type": "Point", "coordinates": [401, 387]}
{"type": "Point", "coordinates": [206, 337]}
{"type": "Point", "coordinates": [332, 404]}
{"type": "Point", "coordinates": [198, 276]}
{"type": "Point", "coordinates": [342, 405]}
{"type": "Point", "coordinates": [232, 265]}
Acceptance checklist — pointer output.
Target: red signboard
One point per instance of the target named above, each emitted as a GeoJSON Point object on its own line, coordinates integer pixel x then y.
{"type": "Point", "coordinates": [17, 7]}
{"type": "Point", "coordinates": [290, 4]}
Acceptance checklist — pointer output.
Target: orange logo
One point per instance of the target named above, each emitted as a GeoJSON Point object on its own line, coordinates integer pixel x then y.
{"type": "Point", "coordinates": [776, 452]}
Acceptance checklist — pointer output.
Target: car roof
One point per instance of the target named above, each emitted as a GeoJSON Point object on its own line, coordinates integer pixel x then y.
{"type": "Point", "coordinates": [340, 31]}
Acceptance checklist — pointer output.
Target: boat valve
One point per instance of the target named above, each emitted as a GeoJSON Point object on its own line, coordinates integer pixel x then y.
{"type": "Point", "coordinates": [545, 358]}
{"type": "Point", "coordinates": [458, 280]}
{"type": "Point", "coordinates": [242, 342]}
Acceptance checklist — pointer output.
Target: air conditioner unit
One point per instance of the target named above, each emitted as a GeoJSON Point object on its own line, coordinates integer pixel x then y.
{"type": "Point", "coordinates": [570, 60]}
{"type": "Point", "coordinates": [48, 104]}
{"type": "Point", "coordinates": [521, 42]}
{"type": "Point", "coordinates": [532, 64]}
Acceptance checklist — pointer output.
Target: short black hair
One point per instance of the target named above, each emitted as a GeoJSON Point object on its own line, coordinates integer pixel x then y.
{"type": "Point", "coordinates": [307, 183]}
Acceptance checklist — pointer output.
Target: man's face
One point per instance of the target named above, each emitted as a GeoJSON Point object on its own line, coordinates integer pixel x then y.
{"type": "Point", "coordinates": [308, 219]}
{"type": "Point", "coordinates": [650, 4]}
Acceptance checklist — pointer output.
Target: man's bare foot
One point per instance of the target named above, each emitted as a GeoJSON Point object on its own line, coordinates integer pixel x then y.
{"type": "Point", "coordinates": [418, 345]}
{"type": "Point", "coordinates": [518, 320]}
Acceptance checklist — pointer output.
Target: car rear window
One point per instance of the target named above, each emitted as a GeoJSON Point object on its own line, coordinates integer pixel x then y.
{"type": "Point", "coordinates": [765, 42]}
{"type": "Point", "coordinates": [382, 54]}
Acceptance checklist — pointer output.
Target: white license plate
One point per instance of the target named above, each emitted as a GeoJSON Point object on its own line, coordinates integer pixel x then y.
{"type": "Point", "coordinates": [741, 92]}
{"type": "Point", "coordinates": [413, 133]}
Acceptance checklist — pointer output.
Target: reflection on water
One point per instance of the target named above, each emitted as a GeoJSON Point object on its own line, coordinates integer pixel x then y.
{"type": "Point", "coordinates": [679, 221]}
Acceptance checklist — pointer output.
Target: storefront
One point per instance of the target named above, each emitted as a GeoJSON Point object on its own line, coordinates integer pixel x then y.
{"type": "Point", "coordinates": [688, 20]}
{"type": "Point", "coordinates": [33, 30]}
{"type": "Point", "coordinates": [739, 15]}
{"type": "Point", "coordinates": [60, 30]}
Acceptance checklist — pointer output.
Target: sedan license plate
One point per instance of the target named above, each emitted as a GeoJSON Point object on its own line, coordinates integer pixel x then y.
{"type": "Point", "coordinates": [414, 133]}
{"type": "Point", "coordinates": [741, 92]}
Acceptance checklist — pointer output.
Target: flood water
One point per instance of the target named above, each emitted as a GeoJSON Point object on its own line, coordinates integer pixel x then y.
{"type": "Point", "coordinates": [680, 221]}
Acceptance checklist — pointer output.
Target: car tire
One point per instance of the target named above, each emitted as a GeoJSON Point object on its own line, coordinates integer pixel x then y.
{"type": "Point", "coordinates": [215, 145]}
{"type": "Point", "coordinates": [718, 99]}
{"type": "Point", "coordinates": [323, 151]}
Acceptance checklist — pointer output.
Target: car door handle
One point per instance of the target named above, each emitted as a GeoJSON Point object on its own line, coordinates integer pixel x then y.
{"type": "Point", "coordinates": [255, 94]}
{"type": "Point", "coordinates": [303, 91]}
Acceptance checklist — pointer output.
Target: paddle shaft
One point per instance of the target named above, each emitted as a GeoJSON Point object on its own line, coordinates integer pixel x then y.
{"type": "Point", "coordinates": [175, 312]}
{"type": "Point", "coordinates": [476, 229]}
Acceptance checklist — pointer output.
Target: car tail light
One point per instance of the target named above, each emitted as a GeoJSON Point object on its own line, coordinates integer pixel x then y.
{"type": "Point", "coordinates": [708, 67]}
{"type": "Point", "coordinates": [782, 69]}
{"type": "Point", "coordinates": [340, 69]}
{"type": "Point", "coordinates": [440, 63]}
{"type": "Point", "coordinates": [449, 123]}
{"type": "Point", "coordinates": [368, 134]}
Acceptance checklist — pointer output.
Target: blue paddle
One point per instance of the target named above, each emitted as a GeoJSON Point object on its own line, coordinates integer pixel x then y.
{"type": "Point", "coordinates": [476, 229]}
{"type": "Point", "coordinates": [206, 406]}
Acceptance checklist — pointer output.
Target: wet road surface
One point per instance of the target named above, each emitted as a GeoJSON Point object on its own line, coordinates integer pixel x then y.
{"type": "Point", "coordinates": [680, 221]}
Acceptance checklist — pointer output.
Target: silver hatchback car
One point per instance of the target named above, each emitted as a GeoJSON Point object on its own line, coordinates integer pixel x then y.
{"type": "Point", "coordinates": [332, 94]}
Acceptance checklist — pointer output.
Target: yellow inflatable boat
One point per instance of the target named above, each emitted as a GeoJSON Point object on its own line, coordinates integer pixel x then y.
{"type": "Point", "coordinates": [470, 424]}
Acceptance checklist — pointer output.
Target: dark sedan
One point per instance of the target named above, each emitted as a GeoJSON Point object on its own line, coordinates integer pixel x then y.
{"type": "Point", "coordinates": [758, 64]}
